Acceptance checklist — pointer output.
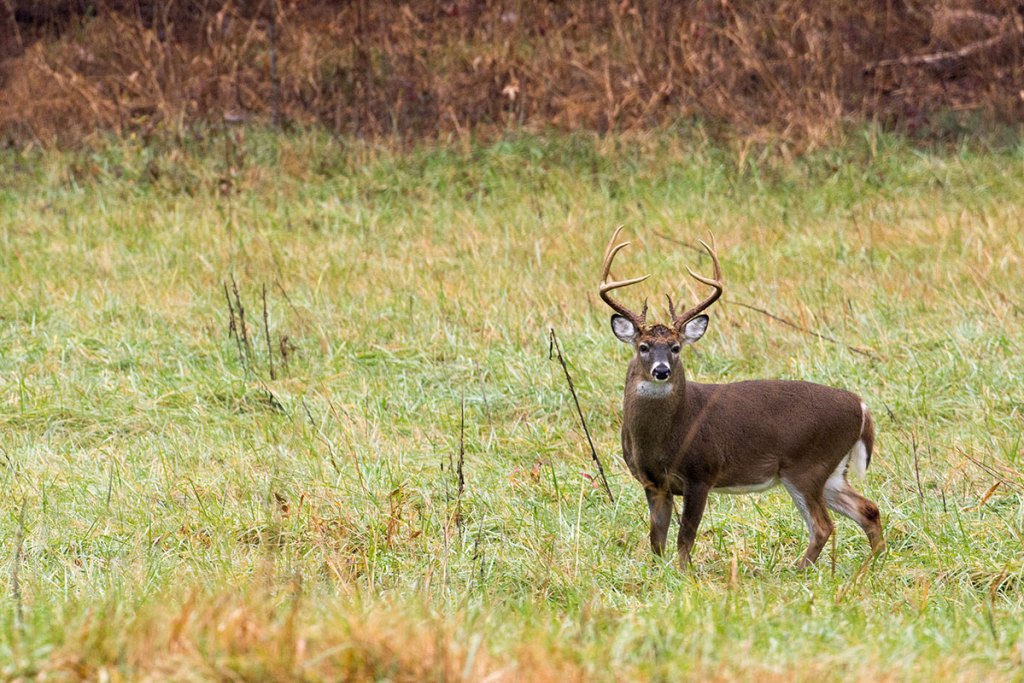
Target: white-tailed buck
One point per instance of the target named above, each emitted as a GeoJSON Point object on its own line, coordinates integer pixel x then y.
{"type": "Point", "coordinates": [689, 439]}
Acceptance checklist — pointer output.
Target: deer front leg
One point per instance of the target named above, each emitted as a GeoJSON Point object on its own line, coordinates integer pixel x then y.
{"type": "Point", "coordinates": [660, 504]}
{"type": "Point", "coordinates": [695, 498]}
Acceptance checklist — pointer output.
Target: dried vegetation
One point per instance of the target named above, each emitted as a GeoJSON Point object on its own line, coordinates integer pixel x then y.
{"type": "Point", "coordinates": [786, 70]}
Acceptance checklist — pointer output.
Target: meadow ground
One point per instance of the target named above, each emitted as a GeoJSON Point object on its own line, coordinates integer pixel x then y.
{"type": "Point", "coordinates": [169, 510]}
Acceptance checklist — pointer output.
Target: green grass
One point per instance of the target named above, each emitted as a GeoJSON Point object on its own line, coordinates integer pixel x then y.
{"type": "Point", "coordinates": [188, 517]}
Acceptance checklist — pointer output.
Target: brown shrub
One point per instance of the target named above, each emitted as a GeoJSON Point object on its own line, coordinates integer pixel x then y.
{"type": "Point", "coordinates": [790, 69]}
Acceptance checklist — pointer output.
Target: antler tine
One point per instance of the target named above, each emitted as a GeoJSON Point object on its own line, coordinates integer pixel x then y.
{"type": "Point", "coordinates": [715, 282]}
{"type": "Point", "coordinates": [608, 250]}
{"type": "Point", "coordinates": [609, 255]}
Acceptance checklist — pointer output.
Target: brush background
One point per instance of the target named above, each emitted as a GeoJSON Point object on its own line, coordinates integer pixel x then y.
{"type": "Point", "coordinates": [785, 70]}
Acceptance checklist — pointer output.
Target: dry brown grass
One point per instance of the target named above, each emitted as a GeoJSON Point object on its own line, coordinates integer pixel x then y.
{"type": "Point", "coordinates": [786, 69]}
{"type": "Point", "coordinates": [240, 636]}
{"type": "Point", "coordinates": [287, 637]}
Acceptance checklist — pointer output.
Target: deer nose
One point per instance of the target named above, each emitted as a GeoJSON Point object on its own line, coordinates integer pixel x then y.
{"type": "Point", "coordinates": [660, 372]}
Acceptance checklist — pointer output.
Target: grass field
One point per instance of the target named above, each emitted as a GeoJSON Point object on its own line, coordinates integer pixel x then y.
{"type": "Point", "coordinates": [172, 511]}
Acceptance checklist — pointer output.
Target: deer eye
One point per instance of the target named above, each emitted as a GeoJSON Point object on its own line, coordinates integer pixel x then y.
{"type": "Point", "coordinates": [675, 348]}
{"type": "Point", "coordinates": [644, 348]}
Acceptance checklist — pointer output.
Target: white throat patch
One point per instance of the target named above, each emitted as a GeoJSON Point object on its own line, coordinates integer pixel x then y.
{"type": "Point", "coordinates": [647, 389]}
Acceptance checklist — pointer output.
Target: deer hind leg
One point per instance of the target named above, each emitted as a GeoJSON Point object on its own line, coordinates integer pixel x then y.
{"type": "Point", "coordinates": [840, 497]}
{"type": "Point", "coordinates": [819, 524]}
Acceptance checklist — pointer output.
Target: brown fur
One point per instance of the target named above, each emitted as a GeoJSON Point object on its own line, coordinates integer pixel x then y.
{"type": "Point", "coordinates": [694, 438]}
{"type": "Point", "coordinates": [690, 439]}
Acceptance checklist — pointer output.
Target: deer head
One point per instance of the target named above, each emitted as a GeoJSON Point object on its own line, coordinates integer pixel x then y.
{"type": "Point", "coordinates": [657, 346]}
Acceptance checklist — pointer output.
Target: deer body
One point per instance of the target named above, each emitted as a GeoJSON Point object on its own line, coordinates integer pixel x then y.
{"type": "Point", "coordinates": [688, 439]}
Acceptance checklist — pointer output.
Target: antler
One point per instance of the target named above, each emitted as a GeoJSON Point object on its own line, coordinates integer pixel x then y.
{"type": "Point", "coordinates": [609, 255]}
{"type": "Point", "coordinates": [716, 282]}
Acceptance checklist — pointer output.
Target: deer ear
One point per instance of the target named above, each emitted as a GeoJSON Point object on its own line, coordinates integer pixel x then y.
{"type": "Point", "coordinates": [694, 329]}
{"type": "Point", "coordinates": [624, 329]}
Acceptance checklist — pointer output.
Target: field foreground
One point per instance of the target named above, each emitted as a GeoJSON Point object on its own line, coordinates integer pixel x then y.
{"type": "Point", "coordinates": [173, 508]}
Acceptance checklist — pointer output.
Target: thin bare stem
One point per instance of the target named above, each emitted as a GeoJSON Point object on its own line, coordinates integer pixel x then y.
{"type": "Point", "coordinates": [266, 332]}
{"type": "Point", "coordinates": [242, 327]}
{"type": "Point", "coordinates": [1005, 477]}
{"type": "Point", "coordinates": [320, 435]}
{"type": "Point", "coordinates": [233, 326]}
{"type": "Point", "coordinates": [917, 467]}
{"type": "Point", "coordinates": [355, 454]}
{"type": "Point", "coordinates": [19, 542]}
{"type": "Point", "coordinates": [555, 347]}
{"type": "Point", "coordinates": [947, 57]}
{"type": "Point", "coordinates": [462, 460]}
{"type": "Point", "coordinates": [779, 318]}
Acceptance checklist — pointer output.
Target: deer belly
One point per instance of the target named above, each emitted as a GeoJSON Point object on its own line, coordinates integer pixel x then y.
{"type": "Point", "coordinates": [747, 488]}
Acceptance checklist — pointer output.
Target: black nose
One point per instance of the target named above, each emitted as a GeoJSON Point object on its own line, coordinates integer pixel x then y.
{"type": "Point", "coordinates": [660, 373]}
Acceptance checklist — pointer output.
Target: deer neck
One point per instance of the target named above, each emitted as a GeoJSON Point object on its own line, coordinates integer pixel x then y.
{"type": "Point", "coordinates": [647, 400]}
{"type": "Point", "coordinates": [652, 415]}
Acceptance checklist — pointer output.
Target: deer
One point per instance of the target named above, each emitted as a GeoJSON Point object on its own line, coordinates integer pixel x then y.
{"type": "Point", "coordinates": [683, 438]}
